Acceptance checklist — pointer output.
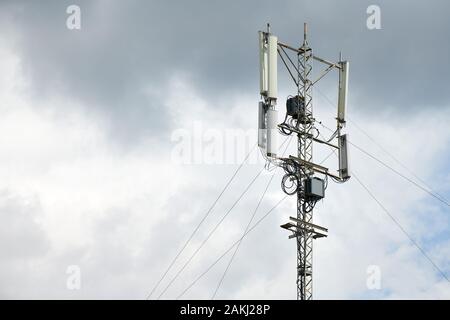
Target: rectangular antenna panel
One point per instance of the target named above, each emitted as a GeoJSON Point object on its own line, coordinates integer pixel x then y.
{"type": "Point", "coordinates": [262, 125]}
{"type": "Point", "coordinates": [343, 88]}
{"type": "Point", "coordinates": [272, 132]}
{"type": "Point", "coordinates": [344, 172]}
{"type": "Point", "coordinates": [263, 75]}
{"type": "Point", "coordinates": [272, 88]}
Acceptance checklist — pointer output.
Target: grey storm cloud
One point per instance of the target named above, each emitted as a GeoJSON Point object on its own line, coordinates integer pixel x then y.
{"type": "Point", "coordinates": [123, 49]}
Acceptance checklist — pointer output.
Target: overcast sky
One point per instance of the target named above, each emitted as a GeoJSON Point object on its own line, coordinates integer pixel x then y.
{"type": "Point", "coordinates": [87, 176]}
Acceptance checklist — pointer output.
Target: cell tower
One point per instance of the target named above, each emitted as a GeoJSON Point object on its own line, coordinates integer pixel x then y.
{"type": "Point", "coordinates": [303, 177]}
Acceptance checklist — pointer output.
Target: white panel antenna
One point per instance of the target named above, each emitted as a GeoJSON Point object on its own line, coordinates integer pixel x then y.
{"type": "Point", "coordinates": [262, 132]}
{"type": "Point", "coordinates": [268, 69]}
{"type": "Point", "coordinates": [343, 87]}
{"type": "Point", "coordinates": [344, 172]}
{"type": "Point", "coordinates": [272, 132]}
{"type": "Point", "coordinates": [272, 89]}
{"type": "Point", "coordinates": [268, 83]}
{"type": "Point", "coordinates": [263, 75]}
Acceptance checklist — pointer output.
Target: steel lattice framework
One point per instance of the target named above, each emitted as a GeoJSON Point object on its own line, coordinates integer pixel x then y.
{"type": "Point", "coordinates": [305, 152]}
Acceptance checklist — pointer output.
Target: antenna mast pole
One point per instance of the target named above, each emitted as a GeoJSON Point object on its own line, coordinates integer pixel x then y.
{"type": "Point", "coordinates": [305, 152]}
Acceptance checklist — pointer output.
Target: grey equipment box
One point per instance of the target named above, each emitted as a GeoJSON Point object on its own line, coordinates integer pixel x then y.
{"type": "Point", "coordinates": [314, 188]}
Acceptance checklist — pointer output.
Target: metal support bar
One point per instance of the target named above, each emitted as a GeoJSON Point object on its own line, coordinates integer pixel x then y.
{"type": "Point", "coordinates": [315, 235]}
{"type": "Point", "coordinates": [297, 229]}
{"type": "Point", "coordinates": [299, 50]}
{"type": "Point", "coordinates": [289, 70]}
{"type": "Point", "coordinates": [309, 224]}
{"type": "Point", "coordinates": [316, 168]}
{"type": "Point", "coordinates": [293, 64]}
{"type": "Point", "coordinates": [302, 50]}
{"type": "Point", "coordinates": [308, 163]}
{"type": "Point", "coordinates": [335, 65]}
{"type": "Point", "coordinates": [325, 142]}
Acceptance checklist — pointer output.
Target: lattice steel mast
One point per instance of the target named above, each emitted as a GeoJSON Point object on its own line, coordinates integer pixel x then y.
{"type": "Point", "coordinates": [305, 152]}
